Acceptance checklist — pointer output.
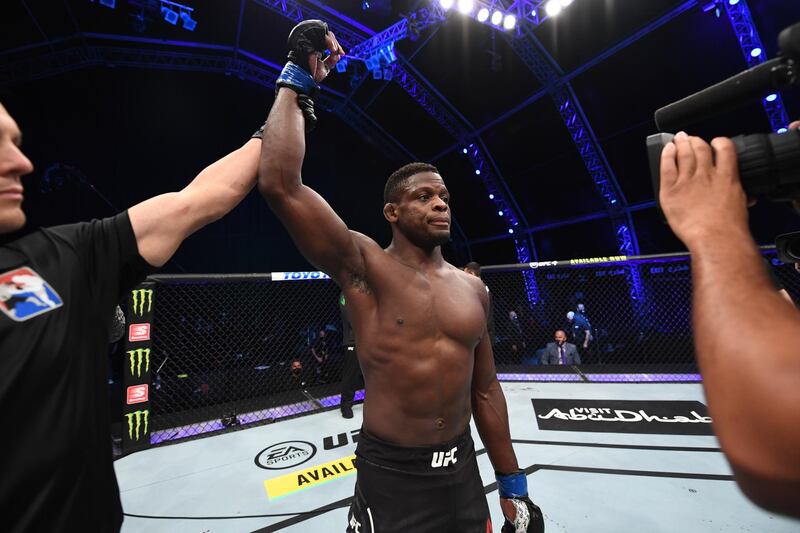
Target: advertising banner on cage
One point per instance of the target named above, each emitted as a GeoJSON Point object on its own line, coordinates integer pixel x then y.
{"type": "Point", "coordinates": [299, 276]}
{"type": "Point", "coordinates": [136, 367]}
{"type": "Point", "coordinates": [623, 416]}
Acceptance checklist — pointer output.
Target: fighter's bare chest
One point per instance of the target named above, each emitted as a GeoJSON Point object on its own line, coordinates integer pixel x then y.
{"type": "Point", "coordinates": [430, 305]}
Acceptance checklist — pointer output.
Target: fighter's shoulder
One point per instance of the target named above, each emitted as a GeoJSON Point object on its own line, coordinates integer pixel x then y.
{"type": "Point", "coordinates": [473, 281]}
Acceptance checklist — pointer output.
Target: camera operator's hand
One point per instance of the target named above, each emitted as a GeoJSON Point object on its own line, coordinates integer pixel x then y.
{"type": "Point", "coordinates": [702, 199]}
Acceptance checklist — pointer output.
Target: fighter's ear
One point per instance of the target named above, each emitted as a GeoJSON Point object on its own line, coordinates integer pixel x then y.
{"type": "Point", "coordinates": [390, 212]}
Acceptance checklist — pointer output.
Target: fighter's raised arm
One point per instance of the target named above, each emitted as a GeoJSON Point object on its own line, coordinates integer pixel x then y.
{"type": "Point", "coordinates": [321, 236]}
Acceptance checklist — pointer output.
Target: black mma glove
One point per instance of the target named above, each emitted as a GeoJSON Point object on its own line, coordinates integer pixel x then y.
{"type": "Point", "coordinates": [528, 519]}
{"type": "Point", "coordinates": [306, 38]}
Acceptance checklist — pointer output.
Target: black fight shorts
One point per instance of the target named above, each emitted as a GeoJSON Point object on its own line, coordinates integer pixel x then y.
{"type": "Point", "coordinates": [418, 489]}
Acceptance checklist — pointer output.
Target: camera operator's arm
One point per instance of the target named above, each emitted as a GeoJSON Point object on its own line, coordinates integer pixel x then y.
{"type": "Point", "coordinates": [746, 334]}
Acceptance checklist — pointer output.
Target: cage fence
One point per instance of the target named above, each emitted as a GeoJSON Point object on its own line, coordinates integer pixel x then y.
{"type": "Point", "coordinates": [232, 351]}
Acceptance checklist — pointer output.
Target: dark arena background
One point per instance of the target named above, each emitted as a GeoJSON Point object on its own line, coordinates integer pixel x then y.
{"type": "Point", "coordinates": [535, 113]}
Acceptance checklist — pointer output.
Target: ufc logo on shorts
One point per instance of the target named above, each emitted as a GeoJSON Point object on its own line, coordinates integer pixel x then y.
{"type": "Point", "coordinates": [444, 458]}
{"type": "Point", "coordinates": [355, 525]}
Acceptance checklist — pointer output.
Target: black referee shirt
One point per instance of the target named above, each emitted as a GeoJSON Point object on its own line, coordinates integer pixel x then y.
{"type": "Point", "coordinates": [58, 289]}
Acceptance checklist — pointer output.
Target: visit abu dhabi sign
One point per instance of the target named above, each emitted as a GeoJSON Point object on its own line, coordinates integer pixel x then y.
{"type": "Point", "coordinates": [623, 416]}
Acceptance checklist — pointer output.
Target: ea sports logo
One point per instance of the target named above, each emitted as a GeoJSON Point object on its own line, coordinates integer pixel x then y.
{"type": "Point", "coordinates": [285, 455]}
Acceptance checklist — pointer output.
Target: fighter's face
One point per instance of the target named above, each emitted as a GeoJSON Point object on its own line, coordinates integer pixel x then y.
{"type": "Point", "coordinates": [423, 212]}
{"type": "Point", "coordinates": [13, 165]}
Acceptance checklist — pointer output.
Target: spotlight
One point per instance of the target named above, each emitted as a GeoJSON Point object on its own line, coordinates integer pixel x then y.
{"type": "Point", "coordinates": [477, 172]}
{"type": "Point", "coordinates": [500, 213]}
{"type": "Point", "coordinates": [464, 150]}
{"type": "Point", "coordinates": [491, 197]}
{"type": "Point", "coordinates": [510, 230]}
{"type": "Point", "coordinates": [553, 7]}
{"type": "Point", "coordinates": [782, 130]}
{"type": "Point", "coordinates": [188, 22]}
{"type": "Point", "coordinates": [565, 3]}
{"type": "Point", "coordinates": [169, 15]}
{"type": "Point", "coordinates": [446, 4]}
{"type": "Point", "coordinates": [733, 2]}
{"type": "Point", "coordinates": [483, 14]}
{"type": "Point", "coordinates": [755, 52]}
{"type": "Point", "coordinates": [387, 53]}
{"type": "Point", "coordinates": [466, 6]}
{"type": "Point", "coordinates": [497, 18]}
{"type": "Point", "coordinates": [509, 22]}
{"type": "Point", "coordinates": [772, 97]}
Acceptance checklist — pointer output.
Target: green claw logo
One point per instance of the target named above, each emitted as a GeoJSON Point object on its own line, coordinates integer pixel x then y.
{"type": "Point", "coordinates": [140, 296]}
{"type": "Point", "coordinates": [133, 428]}
{"type": "Point", "coordinates": [136, 357]}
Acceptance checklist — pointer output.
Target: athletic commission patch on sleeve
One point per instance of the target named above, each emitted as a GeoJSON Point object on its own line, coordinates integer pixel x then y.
{"type": "Point", "coordinates": [24, 294]}
{"type": "Point", "coordinates": [309, 477]}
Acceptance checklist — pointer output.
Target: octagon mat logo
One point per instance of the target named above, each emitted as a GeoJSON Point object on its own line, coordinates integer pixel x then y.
{"type": "Point", "coordinates": [623, 416]}
{"type": "Point", "coordinates": [285, 455]}
{"type": "Point", "coordinates": [309, 477]}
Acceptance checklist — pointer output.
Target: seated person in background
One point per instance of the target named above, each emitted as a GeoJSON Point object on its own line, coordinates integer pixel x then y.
{"type": "Point", "coordinates": [298, 378]}
{"type": "Point", "coordinates": [560, 352]}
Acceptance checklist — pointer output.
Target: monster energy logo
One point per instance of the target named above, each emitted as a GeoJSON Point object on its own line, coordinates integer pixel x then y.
{"type": "Point", "coordinates": [136, 358]}
{"type": "Point", "coordinates": [133, 428]}
{"type": "Point", "coordinates": [140, 296]}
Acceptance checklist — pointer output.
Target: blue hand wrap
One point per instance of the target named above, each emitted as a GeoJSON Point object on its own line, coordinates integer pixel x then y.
{"type": "Point", "coordinates": [297, 79]}
{"type": "Point", "coordinates": [513, 485]}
